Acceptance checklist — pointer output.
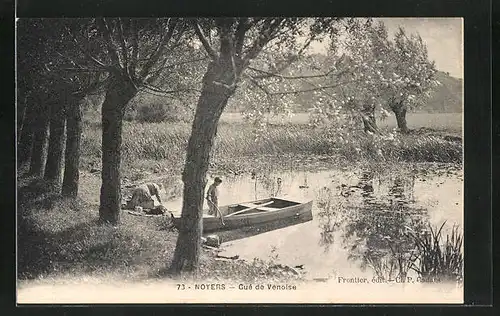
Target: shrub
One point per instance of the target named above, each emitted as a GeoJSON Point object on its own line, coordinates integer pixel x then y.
{"type": "Point", "coordinates": [147, 108]}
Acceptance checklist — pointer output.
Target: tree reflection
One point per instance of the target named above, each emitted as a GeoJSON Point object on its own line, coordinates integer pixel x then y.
{"type": "Point", "coordinates": [375, 226]}
{"type": "Point", "coordinates": [376, 232]}
{"type": "Point", "coordinates": [330, 216]}
{"type": "Point", "coordinates": [272, 185]}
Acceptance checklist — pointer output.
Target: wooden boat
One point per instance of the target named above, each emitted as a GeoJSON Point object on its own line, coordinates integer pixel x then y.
{"type": "Point", "coordinates": [257, 212]}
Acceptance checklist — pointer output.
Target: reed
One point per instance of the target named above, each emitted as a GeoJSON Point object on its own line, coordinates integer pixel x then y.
{"type": "Point", "coordinates": [166, 143]}
{"type": "Point", "coordinates": [439, 258]}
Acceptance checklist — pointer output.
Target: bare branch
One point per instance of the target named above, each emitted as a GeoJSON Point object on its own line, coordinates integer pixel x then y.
{"type": "Point", "coordinates": [271, 26]}
{"type": "Point", "coordinates": [204, 41]}
{"type": "Point", "coordinates": [93, 87]}
{"type": "Point", "coordinates": [103, 26]}
{"type": "Point", "coordinates": [268, 74]}
{"type": "Point", "coordinates": [86, 53]}
{"type": "Point", "coordinates": [123, 45]}
{"type": "Point", "coordinates": [257, 84]}
{"type": "Point", "coordinates": [162, 67]}
{"type": "Point", "coordinates": [172, 23]}
{"type": "Point", "coordinates": [70, 60]}
{"type": "Point", "coordinates": [241, 29]}
{"type": "Point", "coordinates": [89, 70]}
{"type": "Point", "coordinates": [167, 92]}
{"type": "Point", "coordinates": [135, 48]}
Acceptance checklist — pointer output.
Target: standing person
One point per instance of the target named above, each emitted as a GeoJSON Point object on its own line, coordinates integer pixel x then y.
{"type": "Point", "coordinates": [213, 199]}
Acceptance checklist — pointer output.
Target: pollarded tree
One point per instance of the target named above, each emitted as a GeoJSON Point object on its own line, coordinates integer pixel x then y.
{"type": "Point", "coordinates": [238, 42]}
{"type": "Point", "coordinates": [359, 59]}
{"type": "Point", "coordinates": [51, 74]}
{"type": "Point", "coordinates": [33, 92]}
{"type": "Point", "coordinates": [380, 72]}
{"type": "Point", "coordinates": [69, 86]}
{"type": "Point", "coordinates": [135, 51]}
{"type": "Point", "coordinates": [411, 76]}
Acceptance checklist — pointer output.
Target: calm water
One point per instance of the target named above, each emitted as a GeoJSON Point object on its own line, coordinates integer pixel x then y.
{"type": "Point", "coordinates": [361, 219]}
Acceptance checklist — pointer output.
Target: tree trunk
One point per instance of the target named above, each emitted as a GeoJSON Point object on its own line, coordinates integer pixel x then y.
{"type": "Point", "coordinates": [21, 110]}
{"type": "Point", "coordinates": [369, 121]}
{"type": "Point", "coordinates": [370, 124]}
{"type": "Point", "coordinates": [40, 139]}
{"type": "Point", "coordinates": [401, 119]}
{"type": "Point", "coordinates": [117, 97]}
{"type": "Point", "coordinates": [74, 114]}
{"type": "Point", "coordinates": [210, 105]}
{"type": "Point", "coordinates": [25, 135]}
{"type": "Point", "coordinates": [53, 168]}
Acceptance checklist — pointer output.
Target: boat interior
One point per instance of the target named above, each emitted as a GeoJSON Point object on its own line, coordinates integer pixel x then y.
{"type": "Point", "coordinates": [268, 205]}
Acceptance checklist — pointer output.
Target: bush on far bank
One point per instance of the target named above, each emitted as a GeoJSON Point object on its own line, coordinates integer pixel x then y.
{"type": "Point", "coordinates": [148, 108]}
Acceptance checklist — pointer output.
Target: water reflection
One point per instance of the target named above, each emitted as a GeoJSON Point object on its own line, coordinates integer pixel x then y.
{"type": "Point", "coordinates": [375, 227]}
{"type": "Point", "coordinates": [364, 223]}
{"type": "Point", "coordinates": [272, 185]}
{"type": "Point", "coordinates": [328, 216]}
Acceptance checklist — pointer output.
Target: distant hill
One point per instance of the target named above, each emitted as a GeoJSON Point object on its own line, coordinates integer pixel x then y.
{"type": "Point", "coordinates": [447, 97]}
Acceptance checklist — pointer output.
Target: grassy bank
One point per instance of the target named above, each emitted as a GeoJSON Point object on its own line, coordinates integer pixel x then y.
{"type": "Point", "coordinates": [61, 237]}
{"type": "Point", "coordinates": [160, 147]}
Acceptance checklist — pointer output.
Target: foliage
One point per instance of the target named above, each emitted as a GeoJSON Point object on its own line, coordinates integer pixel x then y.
{"type": "Point", "coordinates": [412, 73]}
{"type": "Point", "coordinates": [163, 145]}
{"type": "Point", "coordinates": [149, 108]}
{"type": "Point", "coordinates": [374, 73]}
{"type": "Point", "coordinates": [439, 260]}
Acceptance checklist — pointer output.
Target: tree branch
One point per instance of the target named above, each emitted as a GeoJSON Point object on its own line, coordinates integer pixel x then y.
{"type": "Point", "coordinates": [163, 67]}
{"type": "Point", "coordinates": [226, 45]}
{"type": "Point", "coordinates": [204, 41]}
{"type": "Point", "coordinates": [241, 29]}
{"type": "Point", "coordinates": [267, 31]}
{"type": "Point", "coordinates": [87, 54]}
{"type": "Point", "coordinates": [257, 84]}
{"type": "Point", "coordinates": [172, 23]}
{"type": "Point", "coordinates": [123, 46]}
{"type": "Point", "coordinates": [167, 92]}
{"type": "Point", "coordinates": [226, 40]}
{"type": "Point", "coordinates": [113, 54]}
{"type": "Point", "coordinates": [135, 48]}
{"type": "Point", "coordinates": [89, 70]}
{"type": "Point", "coordinates": [270, 74]}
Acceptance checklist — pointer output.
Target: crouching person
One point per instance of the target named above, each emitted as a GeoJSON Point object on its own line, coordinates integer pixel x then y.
{"type": "Point", "coordinates": [144, 196]}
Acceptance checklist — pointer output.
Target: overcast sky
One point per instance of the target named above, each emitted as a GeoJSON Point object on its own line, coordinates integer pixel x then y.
{"type": "Point", "coordinates": [443, 37]}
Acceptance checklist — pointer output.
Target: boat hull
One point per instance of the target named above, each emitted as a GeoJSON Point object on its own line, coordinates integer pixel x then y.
{"type": "Point", "coordinates": [291, 215]}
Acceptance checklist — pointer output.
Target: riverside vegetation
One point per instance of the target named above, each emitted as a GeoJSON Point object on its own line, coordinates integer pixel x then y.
{"type": "Point", "coordinates": [57, 237]}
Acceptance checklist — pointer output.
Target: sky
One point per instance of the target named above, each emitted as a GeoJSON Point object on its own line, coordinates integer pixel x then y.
{"type": "Point", "coordinates": [443, 37]}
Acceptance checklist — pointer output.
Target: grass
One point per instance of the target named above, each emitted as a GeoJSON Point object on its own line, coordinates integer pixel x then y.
{"type": "Point", "coordinates": [59, 236]}
{"type": "Point", "coordinates": [163, 145]}
{"type": "Point", "coordinates": [439, 259]}
{"type": "Point", "coordinates": [449, 122]}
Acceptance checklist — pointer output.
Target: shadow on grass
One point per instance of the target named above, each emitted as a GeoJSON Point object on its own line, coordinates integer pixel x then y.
{"type": "Point", "coordinates": [58, 236]}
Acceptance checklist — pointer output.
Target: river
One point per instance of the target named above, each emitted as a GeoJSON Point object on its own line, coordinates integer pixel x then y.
{"type": "Point", "coordinates": [363, 230]}
{"type": "Point", "coordinates": [360, 218]}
